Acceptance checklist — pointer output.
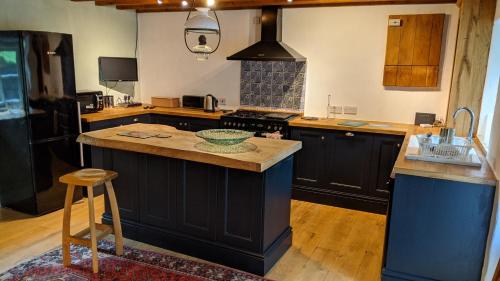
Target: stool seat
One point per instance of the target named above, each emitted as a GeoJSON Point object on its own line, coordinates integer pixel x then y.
{"type": "Point", "coordinates": [88, 177]}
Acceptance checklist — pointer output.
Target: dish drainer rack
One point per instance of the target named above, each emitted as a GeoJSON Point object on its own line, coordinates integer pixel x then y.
{"type": "Point", "coordinates": [433, 146]}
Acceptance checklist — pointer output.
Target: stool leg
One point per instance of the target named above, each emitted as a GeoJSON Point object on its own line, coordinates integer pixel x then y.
{"type": "Point", "coordinates": [93, 234]}
{"type": "Point", "coordinates": [68, 202]}
{"type": "Point", "coordinates": [117, 227]}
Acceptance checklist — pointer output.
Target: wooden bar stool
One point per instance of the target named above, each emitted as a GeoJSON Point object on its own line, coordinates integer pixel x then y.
{"type": "Point", "coordinates": [90, 178]}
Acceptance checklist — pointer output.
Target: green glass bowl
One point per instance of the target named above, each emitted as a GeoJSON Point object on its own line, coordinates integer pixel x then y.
{"type": "Point", "coordinates": [224, 136]}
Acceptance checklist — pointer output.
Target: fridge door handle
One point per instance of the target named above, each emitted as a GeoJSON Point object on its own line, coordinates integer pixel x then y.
{"type": "Point", "coordinates": [82, 161]}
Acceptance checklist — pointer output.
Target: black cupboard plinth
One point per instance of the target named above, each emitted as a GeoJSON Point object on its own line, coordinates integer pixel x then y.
{"type": "Point", "coordinates": [233, 217]}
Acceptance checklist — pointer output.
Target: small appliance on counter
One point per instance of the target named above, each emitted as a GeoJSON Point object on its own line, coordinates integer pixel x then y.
{"type": "Point", "coordinates": [128, 102]}
{"type": "Point", "coordinates": [193, 102]}
{"type": "Point", "coordinates": [109, 101]}
{"type": "Point", "coordinates": [210, 103]}
{"type": "Point", "coordinates": [90, 101]}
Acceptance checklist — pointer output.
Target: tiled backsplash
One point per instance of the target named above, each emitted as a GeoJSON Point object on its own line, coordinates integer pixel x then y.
{"type": "Point", "coordinates": [273, 84]}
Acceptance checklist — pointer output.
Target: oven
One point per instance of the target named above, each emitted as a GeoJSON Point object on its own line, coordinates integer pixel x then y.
{"type": "Point", "coordinates": [264, 124]}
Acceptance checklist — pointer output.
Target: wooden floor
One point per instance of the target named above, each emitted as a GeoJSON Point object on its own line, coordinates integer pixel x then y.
{"type": "Point", "coordinates": [328, 243]}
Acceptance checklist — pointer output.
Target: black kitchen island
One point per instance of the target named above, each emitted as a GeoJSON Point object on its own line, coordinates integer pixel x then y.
{"type": "Point", "coordinates": [232, 209]}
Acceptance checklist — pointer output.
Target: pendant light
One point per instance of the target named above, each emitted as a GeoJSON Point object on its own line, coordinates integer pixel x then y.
{"type": "Point", "coordinates": [201, 25]}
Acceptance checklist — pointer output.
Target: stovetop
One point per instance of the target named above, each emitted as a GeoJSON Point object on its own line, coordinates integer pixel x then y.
{"type": "Point", "coordinates": [262, 115]}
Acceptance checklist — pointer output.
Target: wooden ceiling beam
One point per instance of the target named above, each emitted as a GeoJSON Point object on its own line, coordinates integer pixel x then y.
{"type": "Point", "coordinates": [175, 5]}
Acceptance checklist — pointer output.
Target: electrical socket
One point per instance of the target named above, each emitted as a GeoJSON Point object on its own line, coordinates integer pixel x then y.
{"type": "Point", "coordinates": [335, 109]}
{"type": "Point", "coordinates": [353, 110]}
{"type": "Point", "coordinates": [222, 101]}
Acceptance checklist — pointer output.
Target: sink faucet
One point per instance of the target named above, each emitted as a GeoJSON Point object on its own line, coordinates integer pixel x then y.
{"type": "Point", "coordinates": [472, 117]}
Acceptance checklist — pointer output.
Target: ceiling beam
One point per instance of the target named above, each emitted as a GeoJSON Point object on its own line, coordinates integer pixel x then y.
{"type": "Point", "coordinates": [175, 5]}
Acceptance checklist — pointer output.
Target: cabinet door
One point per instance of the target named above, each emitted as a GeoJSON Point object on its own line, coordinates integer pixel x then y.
{"type": "Point", "coordinates": [196, 124]}
{"type": "Point", "coordinates": [177, 122]}
{"type": "Point", "coordinates": [348, 162]}
{"type": "Point", "coordinates": [196, 199]}
{"type": "Point", "coordinates": [385, 153]}
{"type": "Point", "coordinates": [145, 118]}
{"type": "Point", "coordinates": [309, 161]}
{"type": "Point", "coordinates": [239, 209]}
{"type": "Point", "coordinates": [126, 186]}
{"type": "Point", "coordinates": [157, 194]}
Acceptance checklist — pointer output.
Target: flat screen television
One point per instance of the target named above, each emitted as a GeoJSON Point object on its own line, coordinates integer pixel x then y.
{"type": "Point", "coordinates": [117, 69]}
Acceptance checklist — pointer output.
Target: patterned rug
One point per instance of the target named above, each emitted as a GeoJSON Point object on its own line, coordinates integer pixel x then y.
{"type": "Point", "coordinates": [133, 265]}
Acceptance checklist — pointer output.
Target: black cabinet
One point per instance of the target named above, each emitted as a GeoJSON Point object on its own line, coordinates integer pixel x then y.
{"type": "Point", "coordinates": [344, 168]}
{"type": "Point", "coordinates": [158, 196]}
{"type": "Point", "coordinates": [385, 152]}
{"type": "Point", "coordinates": [196, 199]}
{"type": "Point", "coordinates": [310, 160]}
{"type": "Point", "coordinates": [228, 216]}
{"type": "Point", "coordinates": [186, 123]}
{"type": "Point", "coordinates": [347, 168]}
{"type": "Point", "coordinates": [128, 183]}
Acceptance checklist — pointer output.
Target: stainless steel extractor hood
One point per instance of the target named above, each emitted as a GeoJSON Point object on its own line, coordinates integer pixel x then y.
{"type": "Point", "coordinates": [270, 48]}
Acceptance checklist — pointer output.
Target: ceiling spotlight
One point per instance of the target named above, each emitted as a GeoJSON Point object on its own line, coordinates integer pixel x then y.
{"type": "Point", "coordinates": [159, 2]}
{"type": "Point", "coordinates": [184, 3]}
{"type": "Point", "coordinates": [210, 3]}
{"type": "Point", "coordinates": [290, 1]}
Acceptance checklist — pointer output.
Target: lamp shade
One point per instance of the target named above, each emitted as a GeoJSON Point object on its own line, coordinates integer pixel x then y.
{"type": "Point", "coordinates": [202, 23]}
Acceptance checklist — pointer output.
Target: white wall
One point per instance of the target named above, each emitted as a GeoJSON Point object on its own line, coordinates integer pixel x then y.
{"type": "Point", "coordinates": [97, 31]}
{"type": "Point", "coordinates": [167, 68]}
{"type": "Point", "coordinates": [344, 46]}
{"type": "Point", "coordinates": [493, 155]}
{"type": "Point", "coordinates": [345, 49]}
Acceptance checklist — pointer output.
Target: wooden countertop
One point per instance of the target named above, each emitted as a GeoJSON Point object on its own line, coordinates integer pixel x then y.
{"type": "Point", "coordinates": [181, 146]}
{"type": "Point", "coordinates": [483, 175]}
{"type": "Point", "coordinates": [476, 175]}
{"type": "Point", "coordinates": [119, 112]}
{"type": "Point", "coordinates": [372, 127]}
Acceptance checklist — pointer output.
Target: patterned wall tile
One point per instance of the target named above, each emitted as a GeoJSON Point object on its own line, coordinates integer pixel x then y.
{"type": "Point", "coordinates": [276, 84]}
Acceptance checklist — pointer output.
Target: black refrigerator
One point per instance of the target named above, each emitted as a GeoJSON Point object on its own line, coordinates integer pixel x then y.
{"type": "Point", "coordinates": [39, 120]}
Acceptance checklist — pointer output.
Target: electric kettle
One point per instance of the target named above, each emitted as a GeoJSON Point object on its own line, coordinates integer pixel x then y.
{"type": "Point", "coordinates": [211, 103]}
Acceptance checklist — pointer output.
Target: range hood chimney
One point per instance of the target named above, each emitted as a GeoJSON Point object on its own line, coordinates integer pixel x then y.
{"type": "Point", "coordinates": [270, 48]}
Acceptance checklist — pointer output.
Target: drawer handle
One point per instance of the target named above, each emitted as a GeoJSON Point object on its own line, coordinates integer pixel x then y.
{"type": "Point", "coordinates": [185, 124]}
{"type": "Point", "coordinates": [349, 134]}
{"type": "Point", "coordinates": [180, 123]}
{"type": "Point", "coordinates": [136, 119]}
{"type": "Point", "coordinates": [322, 138]}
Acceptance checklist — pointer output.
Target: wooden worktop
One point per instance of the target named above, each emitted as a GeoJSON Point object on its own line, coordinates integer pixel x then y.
{"type": "Point", "coordinates": [477, 175]}
{"type": "Point", "coordinates": [119, 112]}
{"type": "Point", "coordinates": [181, 146]}
{"type": "Point", "coordinates": [372, 127]}
{"type": "Point", "coordinates": [483, 175]}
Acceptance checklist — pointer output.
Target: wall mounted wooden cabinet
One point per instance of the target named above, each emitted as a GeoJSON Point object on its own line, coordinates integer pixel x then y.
{"type": "Point", "coordinates": [413, 51]}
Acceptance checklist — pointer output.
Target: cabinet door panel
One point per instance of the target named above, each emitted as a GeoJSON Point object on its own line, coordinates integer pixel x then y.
{"type": "Point", "coordinates": [385, 153]}
{"type": "Point", "coordinates": [197, 199]}
{"type": "Point", "coordinates": [175, 122]}
{"type": "Point", "coordinates": [240, 209]}
{"type": "Point", "coordinates": [196, 124]}
{"type": "Point", "coordinates": [158, 191]}
{"type": "Point", "coordinates": [126, 185]}
{"type": "Point", "coordinates": [308, 163]}
{"type": "Point", "coordinates": [348, 164]}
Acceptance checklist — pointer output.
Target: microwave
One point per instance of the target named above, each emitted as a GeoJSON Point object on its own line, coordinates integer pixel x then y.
{"type": "Point", "coordinates": [90, 101]}
{"type": "Point", "coordinates": [193, 101]}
